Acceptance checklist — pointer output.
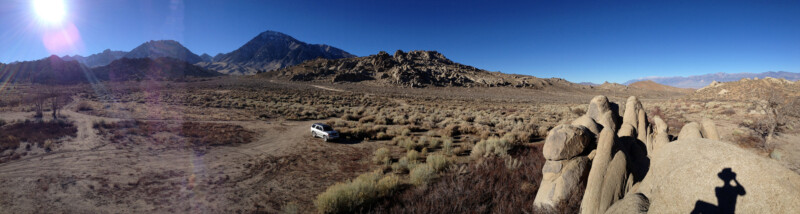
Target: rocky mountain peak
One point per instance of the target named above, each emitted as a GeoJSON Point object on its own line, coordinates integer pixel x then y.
{"type": "Point", "coordinates": [271, 50]}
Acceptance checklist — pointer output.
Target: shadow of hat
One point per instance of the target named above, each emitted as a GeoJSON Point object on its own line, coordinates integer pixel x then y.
{"type": "Point", "coordinates": [727, 174]}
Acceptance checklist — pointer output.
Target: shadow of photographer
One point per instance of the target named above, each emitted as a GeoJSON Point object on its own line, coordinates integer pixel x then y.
{"type": "Point", "coordinates": [726, 195]}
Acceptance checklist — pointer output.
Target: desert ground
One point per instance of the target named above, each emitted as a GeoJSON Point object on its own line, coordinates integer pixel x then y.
{"type": "Point", "coordinates": [242, 145]}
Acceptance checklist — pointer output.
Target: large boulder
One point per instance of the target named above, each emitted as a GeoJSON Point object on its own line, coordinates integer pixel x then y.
{"type": "Point", "coordinates": [690, 131]}
{"type": "Point", "coordinates": [709, 129]}
{"type": "Point", "coordinates": [636, 117]}
{"type": "Point", "coordinates": [604, 112]}
{"type": "Point", "coordinates": [695, 174]}
{"type": "Point", "coordinates": [594, 183]}
{"type": "Point", "coordinates": [627, 130]}
{"type": "Point", "coordinates": [567, 141]}
{"type": "Point", "coordinates": [589, 123]}
{"type": "Point", "coordinates": [614, 182]}
{"type": "Point", "coordinates": [560, 179]}
{"type": "Point", "coordinates": [660, 135]}
{"type": "Point", "coordinates": [635, 203]}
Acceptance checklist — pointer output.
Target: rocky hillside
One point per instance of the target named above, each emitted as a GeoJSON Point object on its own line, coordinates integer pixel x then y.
{"type": "Point", "coordinates": [271, 50]}
{"type": "Point", "coordinates": [650, 85]}
{"type": "Point", "coordinates": [50, 70]}
{"type": "Point", "coordinates": [163, 48]}
{"type": "Point", "coordinates": [163, 68]}
{"type": "Point", "coordinates": [98, 59]}
{"type": "Point", "coordinates": [748, 89]}
{"type": "Point", "coordinates": [413, 69]}
{"type": "Point", "coordinates": [698, 81]}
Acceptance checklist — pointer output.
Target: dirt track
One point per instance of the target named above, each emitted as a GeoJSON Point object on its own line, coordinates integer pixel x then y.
{"type": "Point", "coordinates": [88, 174]}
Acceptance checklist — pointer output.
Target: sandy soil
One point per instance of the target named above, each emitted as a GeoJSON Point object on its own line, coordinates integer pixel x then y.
{"type": "Point", "coordinates": [86, 174]}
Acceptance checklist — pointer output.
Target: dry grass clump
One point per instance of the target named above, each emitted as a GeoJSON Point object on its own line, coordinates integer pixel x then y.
{"type": "Point", "coordinates": [480, 187]}
{"type": "Point", "coordinates": [438, 162]}
{"type": "Point", "coordinates": [382, 156]}
{"type": "Point", "coordinates": [447, 146]}
{"type": "Point", "coordinates": [34, 132]}
{"type": "Point", "coordinates": [356, 195]}
{"type": "Point", "coordinates": [412, 156]}
{"type": "Point", "coordinates": [493, 146]}
{"type": "Point", "coordinates": [422, 174]}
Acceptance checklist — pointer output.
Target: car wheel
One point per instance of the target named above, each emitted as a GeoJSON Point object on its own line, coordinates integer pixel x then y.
{"type": "Point", "coordinates": [325, 138]}
{"type": "Point", "coordinates": [314, 135]}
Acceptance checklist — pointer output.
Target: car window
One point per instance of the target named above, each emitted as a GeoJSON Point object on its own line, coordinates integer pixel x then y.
{"type": "Point", "coordinates": [327, 128]}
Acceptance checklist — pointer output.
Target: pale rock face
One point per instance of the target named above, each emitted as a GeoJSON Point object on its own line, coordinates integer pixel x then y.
{"type": "Point", "coordinates": [600, 109]}
{"type": "Point", "coordinates": [627, 130]}
{"type": "Point", "coordinates": [690, 131]}
{"type": "Point", "coordinates": [594, 183]}
{"type": "Point", "coordinates": [614, 182]}
{"type": "Point", "coordinates": [566, 141]}
{"type": "Point", "coordinates": [560, 179]}
{"type": "Point", "coordinates": [589, 123]}
{"type": "Point", "coordinates": [660, 135]}
{"type": "Point", "coordinates": [709, 129]}
{"type": "Point", "coordinates": [635, 203]}
{"type": "Point", "coordinates": [713, 176]}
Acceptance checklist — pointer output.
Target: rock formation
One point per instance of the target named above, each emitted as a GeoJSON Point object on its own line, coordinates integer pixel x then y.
{"type": "Point", "coordinates": [409, 69]}
{"type": "Point", "coordinates": [635, 169]}
{"type": "Point", "coordinates": [567, 165]}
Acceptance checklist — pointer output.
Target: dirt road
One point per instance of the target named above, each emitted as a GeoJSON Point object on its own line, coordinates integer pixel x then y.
{"type": "Point", "coordinates": [88, 174]}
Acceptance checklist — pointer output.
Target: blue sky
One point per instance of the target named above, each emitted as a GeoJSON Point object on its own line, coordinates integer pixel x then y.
{"type": "Point", "coordinates": [577, 40]}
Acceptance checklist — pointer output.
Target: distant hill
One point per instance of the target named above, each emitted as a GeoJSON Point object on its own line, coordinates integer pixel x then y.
{"type": "Point", "coordinates": [163, 48]}
{"type": "Point", "coordinates": [653, 86]}
{"type": "Point", "coordinates": [163, 68]}
{"type": "Point", "coordinates": [50, 70]}
{"type": "Point", "coordinates": [54, 70]}
{"type": "Point", "coordinates": [700, 81]}
{"type": "Point", "coordinates": [271, 50]}
{"type": "Point", "coordinates": [98, 59]}
{"type": "Point", "coordinates": [748, 89]}
{"type": "Point", "coordinates": [414, 69]}
{"type": "Point", "coordinates": [589, 83]}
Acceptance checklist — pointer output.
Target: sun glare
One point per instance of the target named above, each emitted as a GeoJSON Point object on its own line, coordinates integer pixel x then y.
{"type": "Point", "coordinates": [50, 11]}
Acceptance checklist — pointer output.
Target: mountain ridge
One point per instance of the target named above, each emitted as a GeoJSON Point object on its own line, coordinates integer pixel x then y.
{"type": "Point", "coordinates": [699, 81]}
{"type": "Point", "coordinates": [271, 50]}
{"type": "Point", "coordinates": [164, 48]}
{"type": "Point", "coordinates": [98, 59]}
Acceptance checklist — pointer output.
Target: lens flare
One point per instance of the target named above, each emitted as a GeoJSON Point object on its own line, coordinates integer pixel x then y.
{"type": "Point", "coordinates": [50, 11]}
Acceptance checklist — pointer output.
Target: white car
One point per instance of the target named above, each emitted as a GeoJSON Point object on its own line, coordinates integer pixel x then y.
{"type": "Point", "coordinates": [324, 131]}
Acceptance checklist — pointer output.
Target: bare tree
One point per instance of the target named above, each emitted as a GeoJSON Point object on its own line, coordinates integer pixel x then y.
{"type": "Point", "coordinates": [776, 108]}
{"type": "Point", "coordinates": [37, 98]}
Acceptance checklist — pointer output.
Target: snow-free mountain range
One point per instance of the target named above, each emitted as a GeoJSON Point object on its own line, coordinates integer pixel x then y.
{"type": "Point", "coordinates": [299, 61]}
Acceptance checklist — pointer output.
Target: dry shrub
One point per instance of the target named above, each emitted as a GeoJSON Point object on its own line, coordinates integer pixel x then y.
{"type": "Point", "coordinates": [422, 174]}
{"type": "Point", "coordinates": [413, 156]}
{"type": "Point", "coordinates": [382, 156]}
{"type": "Point", "coordinates": [438, 162]}
{"type": "Point", "coordinates": [493, 146]}
{"type": "Point", "coordinates": [196, 134]}
{"type": "Point", "coordinates": [447, 146]}
{"type": "Point", "coordinates": [354, 196]}
{"type": "Point", "coordinates": [482, 187]}
{"type": "Point", "coordinates": [748, 140]}
{"type": "Point", "coordinates": [35, 132]}
{"type": "Point", "coordinates": [84, 106]}
{"type": "Point", "coordinates": [365, 131]}
{"type": "Point", "coordinates": [728, 112]}
{"type": "Point", "coordinates": [578, 111]}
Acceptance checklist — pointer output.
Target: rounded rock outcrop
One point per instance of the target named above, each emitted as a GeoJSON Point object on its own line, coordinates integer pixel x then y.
{"type": "Point", "coordinates": [566, 141]}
